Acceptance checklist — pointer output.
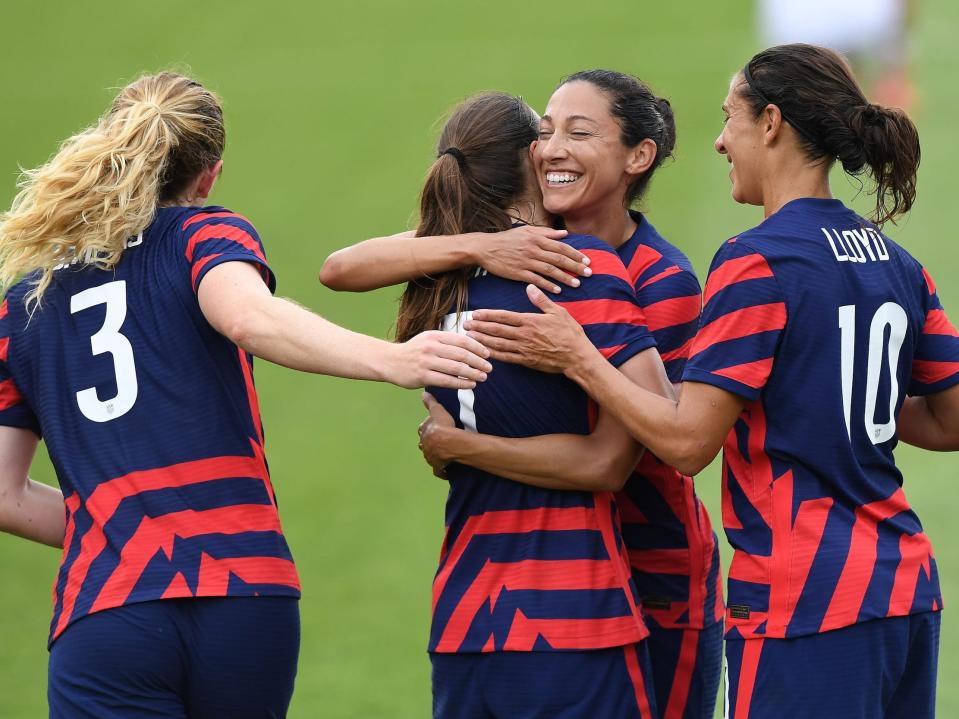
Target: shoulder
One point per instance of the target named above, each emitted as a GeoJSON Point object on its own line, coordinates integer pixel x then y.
{"type": "Point", "coordinates": [603, 259]}
{"type": "Point", "coordinates": [669, 251]}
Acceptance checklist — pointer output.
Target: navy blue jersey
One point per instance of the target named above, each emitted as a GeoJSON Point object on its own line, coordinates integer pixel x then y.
{"type": "Point", "coordinates": [525, 568]}
{"type": "Point", "coordinates": [151, 421]}
{"type": "Point", "coordinates": [823, 325]}
{"type": "Point", "coordinates": [672, 546]}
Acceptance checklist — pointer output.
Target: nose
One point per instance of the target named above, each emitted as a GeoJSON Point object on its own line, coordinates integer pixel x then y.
{"type": "Point", "coordinates": [552, 147]}
{"type": "Point", "coordinates": [719, 145]}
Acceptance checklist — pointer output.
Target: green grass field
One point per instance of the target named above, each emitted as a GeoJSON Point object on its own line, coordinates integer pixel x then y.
{"type": "Point", "coordinates": [332, 113]}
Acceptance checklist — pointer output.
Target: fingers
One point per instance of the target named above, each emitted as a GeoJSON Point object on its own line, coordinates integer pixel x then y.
{"type": "Point", "coordinates": [541, 282]}
{"type": "Point", "coordinates": [503, 317]}
{"type": "Point", "coordinates": [548, 269]}
{"type": "Point", "coordinates": [455, 368]}
{"type": "Point", "coordinates": [496, 344]}
{"type": "Point", "coordinates": [494, 329]}
{"type": "Point", "coordinates": [543, 302]}
{"type": "Point", "coordinates": [510, 357]}
{"type": "Point", "coordinates": [475, 348]}
{"type": "Point", "coordinates": [428, 401]}
{"type": "Point", "coordinates": [547, 232]}
{"type": "Point", "coordinates": [565, 257]}
{"type": "Point", "coordinates": [456, 352]}
{"type": "Point", "coordinates": [438, 379]}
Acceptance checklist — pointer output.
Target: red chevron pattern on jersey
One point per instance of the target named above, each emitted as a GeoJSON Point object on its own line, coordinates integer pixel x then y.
{"type": "Point", "coordinates": [813, 503]}
{"type": "Point", "coordinates": [176, 500]}
{"type": "Point", "coordinates": [525, 568]}
{"type": "Point", "coordinates": [666, 529]}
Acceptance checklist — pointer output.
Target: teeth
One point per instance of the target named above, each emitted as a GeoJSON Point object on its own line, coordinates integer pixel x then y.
{"type": "Point", "coordinates": [561, 177]}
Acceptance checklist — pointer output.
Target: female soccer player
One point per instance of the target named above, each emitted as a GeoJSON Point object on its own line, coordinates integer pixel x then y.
{"type": "Point", "coordinates": [534, 612]}
{"type": "Point", "coordinates": [128, 347]}
{"type": "Point", "coordinates": [584, 163]}
{"type": "Point", "coordinates": [820, 339]}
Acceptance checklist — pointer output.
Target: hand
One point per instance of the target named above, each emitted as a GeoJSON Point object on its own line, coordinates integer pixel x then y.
{"type": "Point", "coordinates": [533, 254]}
{"type": "Point", "coordinates": [439, 359]}
{"type": "Point", "coordinates": [550, 342]}
{"type": "Point", "coordinates": [431, 431]}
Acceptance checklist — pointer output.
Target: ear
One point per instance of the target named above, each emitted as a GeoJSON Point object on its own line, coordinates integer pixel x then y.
{"type": "Point", "coordinates": [772, 120]}
{"type": "Point", "coordinates": [641, 157]}
{"type": "Point", "coordinates": [206, 180]}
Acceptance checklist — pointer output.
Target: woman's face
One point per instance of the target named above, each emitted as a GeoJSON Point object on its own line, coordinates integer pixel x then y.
{"type": "Point", "coordinates": [580, 162]}
{"type": "Point", "coordinates": [741, 141]}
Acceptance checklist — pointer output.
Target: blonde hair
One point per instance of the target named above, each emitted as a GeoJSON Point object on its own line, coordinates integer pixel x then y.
{"type": "Point", "coordinates": [105, 183]}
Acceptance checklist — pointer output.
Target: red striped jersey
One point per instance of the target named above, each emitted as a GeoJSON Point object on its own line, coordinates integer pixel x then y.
{"type": "Point", "coordinates": [151, 421]}
{"type": "Point", "coordinates": [672, 548]}
{"type": "Point", "coordinates": [822, 325]}
{"type": "Point", "coordinates": [524, 568]}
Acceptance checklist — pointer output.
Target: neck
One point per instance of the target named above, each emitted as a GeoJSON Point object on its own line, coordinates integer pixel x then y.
{"type": "Point", "coordinates": [792, 181]}
{"type": "Point", "coordinates": [529, 209]}
{"type": "Point", "coordinates": [612, 225]}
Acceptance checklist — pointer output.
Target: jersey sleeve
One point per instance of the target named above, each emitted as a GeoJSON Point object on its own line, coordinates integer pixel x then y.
{"type": "Point", "coordinates": [744, 315]}
{"type": "Point", "coordinates": [605, 304]}
{"type": "Point", "coordinates": [14, 410]}
{"type": "Point", "coordinates": [935, 366]}
{"type": "Point", "coordinates": [212, 238]}
{"type": "Point", "coordinates": [672, 304]}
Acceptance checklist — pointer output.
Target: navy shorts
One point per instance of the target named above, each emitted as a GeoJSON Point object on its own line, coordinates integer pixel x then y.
{"type": "Point", "coordinates": [223, 658]}
{"type": "Point", "coordinates": [881, 669]}
{"type": "Point", "coordinates": [687, 665]}
{"type": "Point", "coordinates": [599, 684]}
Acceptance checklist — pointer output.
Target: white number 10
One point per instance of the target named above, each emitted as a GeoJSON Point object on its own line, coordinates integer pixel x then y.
{"type": "Point", "coordinates": [109, 339]}
{"type": "Point", "coordinates": [888, 315]}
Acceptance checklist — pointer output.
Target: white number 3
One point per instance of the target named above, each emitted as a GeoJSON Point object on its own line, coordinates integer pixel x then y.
{"type": "Point", "coordinates": [109, 339]}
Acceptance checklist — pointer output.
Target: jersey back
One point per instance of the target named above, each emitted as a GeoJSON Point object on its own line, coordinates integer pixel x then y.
{"type": "Point", "coordinates": [672, 548]}
{"type": "Point", "coordinates": [823, 326]}
{"type": "Point", "coordinates": [525, 568]}
{"type": "Point", "coordinates": [150, 418]}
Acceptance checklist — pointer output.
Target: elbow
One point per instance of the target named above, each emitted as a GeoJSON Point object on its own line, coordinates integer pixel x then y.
{"type": "Point", "coordinates": [333, 274]}
{"type": "Point", "coordinates": [243, 329]}
{"type": "Point", "coordinates": [612, 475]}
{"type": "Point", "coordinates": [691, 457]}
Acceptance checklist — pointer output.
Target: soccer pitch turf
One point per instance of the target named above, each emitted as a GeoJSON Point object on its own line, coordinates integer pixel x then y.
{"type": "Point", "coordinates": [332, 115]}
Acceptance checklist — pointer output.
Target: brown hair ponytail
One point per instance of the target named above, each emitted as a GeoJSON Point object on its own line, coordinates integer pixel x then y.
{"type": "Point", "coordinates": [479, 171]}
{"type": "Point", "coordinates": [817, 94]}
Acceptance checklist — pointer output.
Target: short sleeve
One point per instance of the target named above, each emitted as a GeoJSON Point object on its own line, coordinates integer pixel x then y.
{"type": "Point", "coordinates": [935, 365]}
{"type": "Point", "coordinates": [14, 410]}
{"type": "Point", "coordinates": [744, 315]}
{"type": "Point", "coordinates": [672, 302]}
{"type": "Point", "coordinates": [605, 304]}
{"type": "Point", "coordinates": [214, 237]}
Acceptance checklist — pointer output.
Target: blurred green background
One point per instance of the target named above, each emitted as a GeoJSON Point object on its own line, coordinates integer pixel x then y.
{"type": "Point", "coordinates": [332, 112]}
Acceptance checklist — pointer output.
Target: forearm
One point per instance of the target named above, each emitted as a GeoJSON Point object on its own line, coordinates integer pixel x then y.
{"type": "Point", "coordinates": [279, 330]}
{"type": "Point", "coordinates": [33, 511]}
{"type": "Point", "coordinates": [658, 423]}
{"type": "Point", "coordinates": [387, 261]}
{"type": "Point", "coordinates": [919, 424]}
{"type": "Point", "coordinates": [556, 461]}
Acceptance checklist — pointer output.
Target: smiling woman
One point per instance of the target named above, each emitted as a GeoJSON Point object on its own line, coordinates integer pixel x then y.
{"type": "Point", "coordinates": [809, 366]}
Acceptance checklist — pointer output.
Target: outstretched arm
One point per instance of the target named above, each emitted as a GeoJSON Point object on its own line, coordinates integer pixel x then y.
{"type": "Point", "coordinates": [28, 509]}
{"type": "Point", "coordinates": [932, 421]}
{"type": "Point", "coordinates": [602, 460]}
{"type": "Point", "coordinates": [237, 303]}
{"type": "Point", "coordinates": [527, 253]}
{"type": "Point", "coordinates": [686, 433]}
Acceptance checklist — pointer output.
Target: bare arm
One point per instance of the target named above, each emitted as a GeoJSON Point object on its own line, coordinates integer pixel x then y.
{"type": "Point", "coordinates": [602, 460]}
{"type": "Point", "coordinates": [28, 509]}
{"type": "Point", "coordinates": [686, 433]}
{"type": "Point", "coordinates": [931, 422]}
{"type": "Point", "coordinates": [237, 303]}
{"type": "Point", "coordinates": [526, 253]}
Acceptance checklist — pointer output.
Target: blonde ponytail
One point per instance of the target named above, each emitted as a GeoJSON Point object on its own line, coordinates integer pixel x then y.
{"type": "Point", "coordinates": [105, 183]}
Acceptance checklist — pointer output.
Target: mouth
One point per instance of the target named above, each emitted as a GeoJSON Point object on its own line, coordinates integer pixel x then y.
{"type": "Point", "coordinates": [561, 178]}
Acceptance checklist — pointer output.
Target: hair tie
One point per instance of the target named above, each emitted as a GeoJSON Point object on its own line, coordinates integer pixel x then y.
{"type": "Point", "coordinates": [762, 96]}
{"type": "Point", "coordinates": [457, 153]}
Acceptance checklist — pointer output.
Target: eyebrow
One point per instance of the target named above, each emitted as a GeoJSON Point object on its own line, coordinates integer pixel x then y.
{"type": "Point", "coordinates": [571, 118]}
